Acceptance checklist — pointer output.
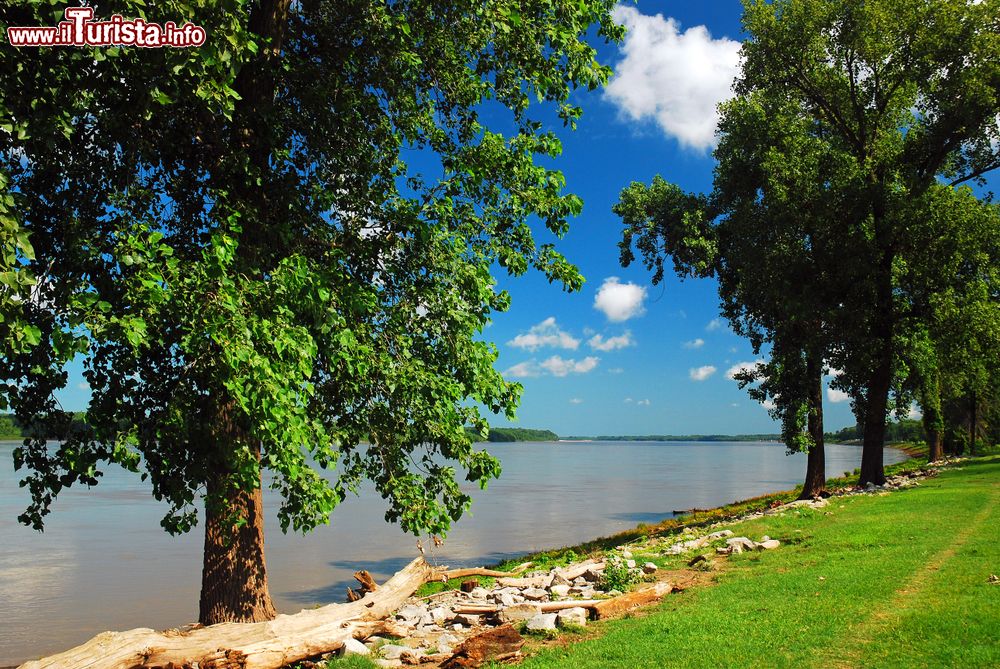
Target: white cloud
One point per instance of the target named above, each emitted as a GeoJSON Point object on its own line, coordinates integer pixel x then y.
{"type": "Point", "coordinates": [83, 385]}
{"type": "Point", "coordinates": [629, 400]}
{"type": "Point", "coordinates": [676, 78]}
{"type": "Point", "coordinates": [694, 343]}
{"type": "Point", "coordinates": [742, 366]}
{"type": "Point", "coordinates": [599, 343]}
{"type": "Point", "coordinates": [769, 405]}
{"type": "Point", "coordinates": [576, 400]}
{"type": "Point", "coordinates": [620, 301]}
{"type": "Point", "coordinates": [643, 403]}
{"type": "Point", "coordinates": [837, 396]}
{"type": "Point", "coordinates": [914, 413]}
{"type": "Point", "coordinates": [734, 404]}
{"type": "Point", "coordinates": [701, 373]}
{"type": "Point", "coordinates": [523, 370]}
{"type": "Point", "coordinates": [546, 333]}
{"type": "Point", "coordinates": [556, 366]}
{"type": "Point", "coordinates": [615, 370]}
{"type": "Point", "coordinates": [713, 325]}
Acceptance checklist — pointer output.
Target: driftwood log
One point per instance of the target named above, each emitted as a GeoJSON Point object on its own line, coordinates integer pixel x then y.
{"type": "Point", "coordinates": [266, 645]}
{"type": "Point", "coordinates": [616, 606]}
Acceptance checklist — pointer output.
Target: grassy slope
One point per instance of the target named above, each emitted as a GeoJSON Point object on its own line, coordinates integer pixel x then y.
{"type": "Point", "coordinates": [883, 581]}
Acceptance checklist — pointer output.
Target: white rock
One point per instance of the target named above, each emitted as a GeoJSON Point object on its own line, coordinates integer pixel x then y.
{"type": "Point", "coordinates": [558, 579]}
{"type": "Point", "coordinates": [519, 612]}
{"type": "Point", "coordinates": [440, 615]}
{"type": "Point", "coordinates": [382, 662]}
{"type": "Point", "coordinates": [467, 619]}
{"type": "Point", "coordinates": [630, 564]}
{"type": "Point", "coordinates": [504, 599]}
{"type": "Point", "coordinates": [559, 590]}
{"type": "Point", "coordinates": [720, 535]}
{"type": "Point", "coordinates": [626, 554]}
{"type": "Point", "coordinates": [479, 593]}
{"type": "Point", "coordinates": [576, 616]}
{"type": "Point", "coordinates": [353, 647]}
{"type": "Point", "coordinates": [768, 545]}
{"type": "Point", "coordinates": [535, 594]}
{"type": "Point", "coordinates": [649, 568]}
{"type": "Point", "coordinates": [542, 622]}
{"type": "Point", "coordinates": [742, 542]}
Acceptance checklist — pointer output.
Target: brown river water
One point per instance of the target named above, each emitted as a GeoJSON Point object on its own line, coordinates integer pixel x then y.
{"type": "Point", "coordinates": [104, 563]}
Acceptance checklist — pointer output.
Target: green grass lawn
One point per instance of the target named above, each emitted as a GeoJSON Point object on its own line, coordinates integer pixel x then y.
{"type": "Point", "coordinates": [899, 580]}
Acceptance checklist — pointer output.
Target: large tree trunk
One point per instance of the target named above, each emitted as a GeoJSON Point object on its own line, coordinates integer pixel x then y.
{"type": "Point", "coordinates": [930, 405]}
{"type": "Point", "coordinates": [973, 423]}
{"type": "Point", "coordinates": [872, 470]}
{"type": "Point", "coordinates": [816, 463]}
{"type": "Point", "coordinates": [880, 378]}
{"type": "Point", "coordinates": [234, 574]}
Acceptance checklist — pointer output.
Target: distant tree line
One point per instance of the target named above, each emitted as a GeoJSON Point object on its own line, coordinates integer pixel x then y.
{"type": "Point", "coordinates": [504, 434]}
{"type": "Point", "coordinates": [685, 437]}
{"type": "Point", "coordinates": [69, 423]}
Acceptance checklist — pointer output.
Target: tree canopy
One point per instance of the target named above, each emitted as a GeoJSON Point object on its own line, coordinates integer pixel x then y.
{"type": "Point", "coordinates": [851, 122]}
{"type": "Point", "coordinates": [273, 247]}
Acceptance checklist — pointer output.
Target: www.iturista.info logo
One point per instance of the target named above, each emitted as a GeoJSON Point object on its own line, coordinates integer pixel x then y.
{"type": "Point", "coordinates": [80, 29]}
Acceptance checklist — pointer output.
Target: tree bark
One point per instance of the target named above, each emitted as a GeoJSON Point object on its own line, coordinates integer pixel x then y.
{"type": "Point", "coordinates": [815, 481]}
{"type": "Point", "coordinates": [234, 572]}
{"type": "Point", "coordinates": [930, 405]}
{"type": "Point", "coordinates": [880, 378]}
{"type": "Point", "coordinates": [973, 423]}
{"type": "Point", "coordinates": [872, 470]}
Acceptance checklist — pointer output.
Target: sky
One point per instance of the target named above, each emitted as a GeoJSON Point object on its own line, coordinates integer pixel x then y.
{"type": "Point", "coordinates": [622, 356]}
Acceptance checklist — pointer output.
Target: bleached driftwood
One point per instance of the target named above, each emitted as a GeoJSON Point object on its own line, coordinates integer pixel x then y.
{"type": "Point", "coordinates": [266, 645]}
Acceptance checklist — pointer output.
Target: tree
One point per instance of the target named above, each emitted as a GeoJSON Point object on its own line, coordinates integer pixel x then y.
{"type": "Point", "coordinates": [765, 234]}
{"type": "Point", "coordinates": [274, 252]}
{"type": "Point", "coordinates": [951, 312]}
{"type": "Point", "coordinates": [908, 92]}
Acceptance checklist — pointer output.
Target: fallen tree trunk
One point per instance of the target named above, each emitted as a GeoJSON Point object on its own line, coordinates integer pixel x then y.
{"type": "Point", "coordinates": [618, 605]}
{"type": "Point", "coordinates": [266, 645]}
{"type": "Point", "coordinates": [470, 571]}
{"type": "Point", "coordinates": [577, 570]}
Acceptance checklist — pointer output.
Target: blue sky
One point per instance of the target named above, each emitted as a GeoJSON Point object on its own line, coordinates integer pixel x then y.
{"type": "Point", "coordinates": [622, 356]}
{"type": "Point", "coordinates": [671, 378]}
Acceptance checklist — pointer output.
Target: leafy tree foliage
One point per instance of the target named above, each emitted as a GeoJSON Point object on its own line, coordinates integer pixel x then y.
{"type": "Point", "coordinates": [865, 114]}
{"type": "Point", "coordinates": [276, 246]}
{"type": "Point", "coordinates": [906, 94]}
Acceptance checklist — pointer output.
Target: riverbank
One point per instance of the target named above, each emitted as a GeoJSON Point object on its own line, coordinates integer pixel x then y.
{"type": "Point", "coordinates": [884, 580]}
{"type": "Point", "coordinates": [847, 570]}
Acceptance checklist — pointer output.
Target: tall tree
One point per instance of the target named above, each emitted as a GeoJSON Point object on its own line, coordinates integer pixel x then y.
{"type": "Point", "coordinates": [273, 252]}
{"type": "Point", "coordinates": [949, 289]}
{"type": "Point", "coordinates": [909, 91]}
{"type": "Point", "coordinates": [765, 234]}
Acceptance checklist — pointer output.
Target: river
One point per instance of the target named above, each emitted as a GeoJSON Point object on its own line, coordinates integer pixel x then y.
{"type": "Point", "coordinates": [104, 563]}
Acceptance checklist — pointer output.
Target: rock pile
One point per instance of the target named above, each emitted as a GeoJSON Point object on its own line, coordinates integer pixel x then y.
{"type": "Point", "coordinates": [433, 627]}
